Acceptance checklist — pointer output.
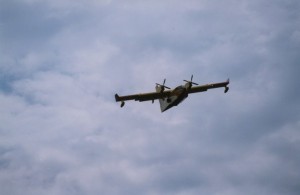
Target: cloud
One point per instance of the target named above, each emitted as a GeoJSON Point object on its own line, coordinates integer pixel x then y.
{"type": "Point", "coordinates": [62, 62]}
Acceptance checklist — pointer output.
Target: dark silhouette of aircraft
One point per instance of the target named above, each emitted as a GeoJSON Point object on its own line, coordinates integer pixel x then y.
{"type": "Point", "coordinates": [171, 97]}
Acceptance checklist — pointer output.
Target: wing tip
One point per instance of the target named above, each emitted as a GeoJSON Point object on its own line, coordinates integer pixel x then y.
{"type": "Point", "coordinates": [117, 97]}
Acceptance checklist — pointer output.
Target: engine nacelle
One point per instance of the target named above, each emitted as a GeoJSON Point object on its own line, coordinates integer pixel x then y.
{"type": "Point", "coordinates": [160, 88]}
{"type": "Point", "coordinates": [188, 86]}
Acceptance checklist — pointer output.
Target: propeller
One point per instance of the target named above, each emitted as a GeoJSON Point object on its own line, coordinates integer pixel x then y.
{"type": "Point", "coordinates": [163, 85]}
{"type": "Point", "coordinates": [191, 81]}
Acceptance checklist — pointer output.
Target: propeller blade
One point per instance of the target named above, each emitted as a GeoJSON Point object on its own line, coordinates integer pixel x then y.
{"type": "Point", "coordinates": [191, 81]}
{"type": "Point", "coordinates": [163, 85]}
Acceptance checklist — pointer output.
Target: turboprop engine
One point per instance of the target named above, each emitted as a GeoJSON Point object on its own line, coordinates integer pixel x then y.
{"type": "Point", "coordinates": [161, 87]}
{"type": "Point", "coordinates": [190, 83]}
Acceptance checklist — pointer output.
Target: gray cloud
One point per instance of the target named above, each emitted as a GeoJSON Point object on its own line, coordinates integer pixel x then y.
{"type": "Point", "coordinates": [62, 133]}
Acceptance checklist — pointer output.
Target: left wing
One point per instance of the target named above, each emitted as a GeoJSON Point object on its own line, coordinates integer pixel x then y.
{"type": "Point", "coordinates": [143, 96]}
{"type": "Point", "coordinates": [210, 86]}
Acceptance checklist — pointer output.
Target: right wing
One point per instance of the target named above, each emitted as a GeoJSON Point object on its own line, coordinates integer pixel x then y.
{"type": "Point", "coordinates": [202, 88]}
{"type": "Point", "coordinates": [143, 96]}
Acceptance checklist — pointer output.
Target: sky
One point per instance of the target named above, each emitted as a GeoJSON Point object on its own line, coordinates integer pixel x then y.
{"type": "Point", "coordinates": [62, 61]}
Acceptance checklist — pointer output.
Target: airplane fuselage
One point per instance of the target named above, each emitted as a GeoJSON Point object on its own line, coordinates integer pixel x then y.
{"type": "Point", "coordinates": [176, 96]}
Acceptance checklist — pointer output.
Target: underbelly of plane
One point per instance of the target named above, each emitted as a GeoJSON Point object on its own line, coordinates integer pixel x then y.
{"type": "Point", "coordinates": [172, 101]}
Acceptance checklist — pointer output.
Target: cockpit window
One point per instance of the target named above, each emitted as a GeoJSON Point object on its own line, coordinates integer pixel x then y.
{"type": "Point", "coordinates": [179, 87]}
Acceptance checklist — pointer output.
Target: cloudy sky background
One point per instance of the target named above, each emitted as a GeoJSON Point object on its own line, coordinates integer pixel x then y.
{"type": "Point", "coordinates": [62, 61]}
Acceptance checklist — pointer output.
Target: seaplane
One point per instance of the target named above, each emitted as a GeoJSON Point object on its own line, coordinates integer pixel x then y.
{"type": "Point", "coordinates": [171, 97]}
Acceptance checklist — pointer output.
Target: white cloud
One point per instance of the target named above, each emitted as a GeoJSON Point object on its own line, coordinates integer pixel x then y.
{"type": "Point", "coordinates": [62, 132]}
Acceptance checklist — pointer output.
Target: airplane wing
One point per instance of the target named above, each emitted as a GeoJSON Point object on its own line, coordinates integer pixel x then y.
{"type": "Point", "coordinates": [202, 88]}
{"type": "Point", "coordinates": [143, 96]}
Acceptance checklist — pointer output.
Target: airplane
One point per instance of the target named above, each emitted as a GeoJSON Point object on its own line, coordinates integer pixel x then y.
{"type": "Point", "coordinates": [171, 97]}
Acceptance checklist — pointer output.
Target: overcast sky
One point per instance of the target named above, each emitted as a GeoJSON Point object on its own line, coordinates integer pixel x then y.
{"type": "Point", "coordinates": [62, 61]}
